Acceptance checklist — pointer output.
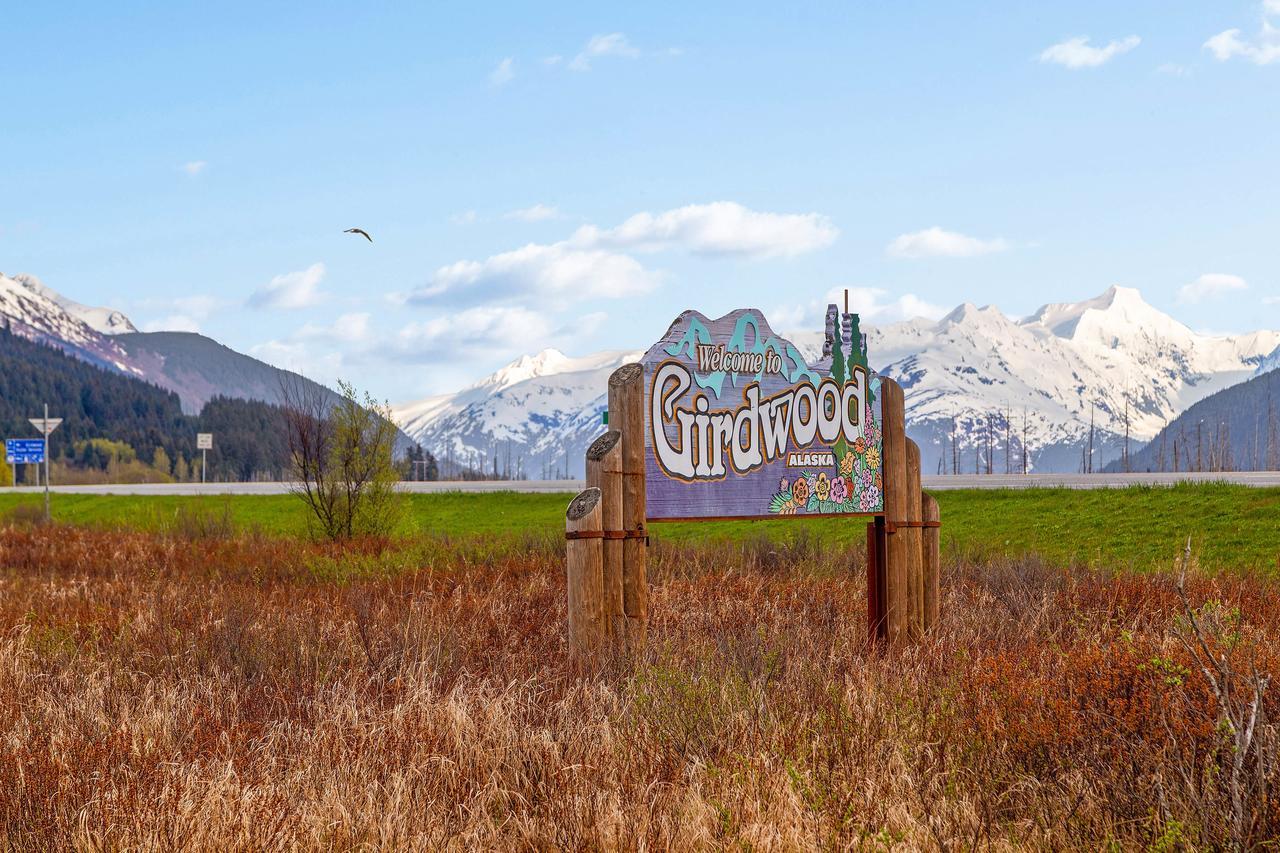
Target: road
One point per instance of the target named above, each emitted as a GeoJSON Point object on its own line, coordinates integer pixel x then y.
{"type": "Point", "coordinates": [962, 481]}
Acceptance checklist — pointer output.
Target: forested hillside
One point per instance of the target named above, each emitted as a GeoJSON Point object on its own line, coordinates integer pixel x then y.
{"type": "Point", "coordinates": [113, 422]}
{"type": "Point", "coordinates": [1237, 429]}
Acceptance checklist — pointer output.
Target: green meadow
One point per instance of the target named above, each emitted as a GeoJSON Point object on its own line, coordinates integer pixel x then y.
{"type": "Point", "coordinates": [1231, 527]}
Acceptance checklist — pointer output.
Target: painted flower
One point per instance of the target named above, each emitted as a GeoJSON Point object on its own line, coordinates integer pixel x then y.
{"type": "Point", "coordinates": [873, 457]}
{"type": "Point", "coordinates": [783, 485]}
{"type": "Point", "coordinates": [839, 490]}
{"type": "Point", "coordinates": [860, 446]}
{"type": "Point", "coordinates": [869, 500]}
{"type": "Point", "coordinates": [822, 488]}
{"type": "Point", "coordinates": [866, 479]}
{"type": "Point", "coordinates": [800, 491]}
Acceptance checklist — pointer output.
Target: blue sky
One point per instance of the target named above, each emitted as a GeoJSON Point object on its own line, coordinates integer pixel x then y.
{"type": "Point", "coordinates": [575, 175]}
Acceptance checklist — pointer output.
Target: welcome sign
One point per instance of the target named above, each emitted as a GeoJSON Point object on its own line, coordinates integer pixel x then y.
{"type": "Point", "coordinates": [739, 425]}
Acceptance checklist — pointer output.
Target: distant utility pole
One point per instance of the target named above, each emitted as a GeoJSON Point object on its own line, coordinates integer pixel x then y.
{"type": "Point", "coordinates": [1199, 445]}
{"type": "Point", "coordinates": [46, 425]}
{"type": "Point", "coordinates": [1126, 430]}
{"type": "Point", "coordinates": [1008, 442]}
{"type": "Point", "coordinates": [1090, 459]}
{"type": "Point", "coordinates": [1024, 440]}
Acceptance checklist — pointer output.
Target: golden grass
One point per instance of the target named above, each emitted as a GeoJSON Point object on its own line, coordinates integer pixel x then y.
{"type": "Point", "coordinates": [198, 692]}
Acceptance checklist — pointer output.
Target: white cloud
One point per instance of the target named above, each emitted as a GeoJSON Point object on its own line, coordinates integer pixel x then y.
{"type": "Point", "coordinates": [610, 44]}
{"type": "Point", "coordinates": [536, 213]}
{"type": "Point", "coordinates": [869, 303]}
{"type": "Point", "coordinates": [1209, 285]}
{"type": "Point", "coordinates": [347, 329]}
{"type": "Point", "coordinates": [183, 314]}
{"type": "Point", "coordinates": [195, 167]}
{"type": "Point", "coordinates": [483, 329]}
{"type": "Point", "coordinates": [503, 73]}
{"type": "Point", "coordinates": [556, 271]}
{"type": "Point", "coordinates": [1271, 300]}
{"type": "Point", "coordinates": [291, 290]}
{"type": "Point", "coordinates": [593, 263]}
{"type": "Point", "coordinates": [1263, 49]}
{"type": "Point", "coordinates": [172, 323]}
{"type": "Point", "coordinates": [466, 217]}
{"type": "Point", "coordinates": [1078, 53]}
{"type": "Point", "coordinates": [322, 352]}
{"type": "Point", "coordinates": [938, 242]}
{"type": "Point", "coordinates": [719, 228]}
{"type": "Point", "coordinates": [1173, 69]}
{"type": "Point", "coordinates": [555, 59]}
{"type": "Point", "coordinates": [297, 357]}
{"type": "Point", "coordinates": [588, 324]}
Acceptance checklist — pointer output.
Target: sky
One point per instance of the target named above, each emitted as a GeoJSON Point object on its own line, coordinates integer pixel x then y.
{"type": "Point", "coordinates": [573, 175]}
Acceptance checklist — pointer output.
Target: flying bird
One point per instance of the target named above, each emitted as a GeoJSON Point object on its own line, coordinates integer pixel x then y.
{"type": "Point", "coordinates": [363, 233]}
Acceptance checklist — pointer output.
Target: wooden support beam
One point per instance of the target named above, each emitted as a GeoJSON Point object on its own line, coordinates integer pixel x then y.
{"type": "Point", "coordinates": [915, 562]}
{"type": "Point", "coordinates": [896, 603]}
{"type": "Point", "coordinates": [584, 559]}
{"type": "Point", "coordinates": [932, 561]}
{"type": "Point", "coordinates": [873, 585]}
{"type": "Point", "coordinates": [626, 414]}
{"type": "Point", "coordinates": [604, 472]}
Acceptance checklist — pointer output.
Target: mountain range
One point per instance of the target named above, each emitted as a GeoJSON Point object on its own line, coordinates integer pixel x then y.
{"type": "Point", "coordinates": [194, 367]}
{"type": "Point", "coordinates": [980, 386]}
{"type": "Point", "coordinates": [1054, 377]}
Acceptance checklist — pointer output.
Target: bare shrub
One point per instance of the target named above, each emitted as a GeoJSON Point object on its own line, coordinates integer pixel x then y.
{"type": "Point", "coordinates": [1242, 750]}
{"type": "Point", "coordinates": [200, 521]}
{"type": "Point", "coordinates": [25, 515]}
{"type": "Point", "coordinates": [342, 453]}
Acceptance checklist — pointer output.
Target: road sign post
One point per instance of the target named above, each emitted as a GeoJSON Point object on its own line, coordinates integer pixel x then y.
{"type": "Point", "coordinates": [46, 425]}
{"type": "Point", "coordinates": [23, 451]}
{"type": "Point", "coordinates": [204, 443]}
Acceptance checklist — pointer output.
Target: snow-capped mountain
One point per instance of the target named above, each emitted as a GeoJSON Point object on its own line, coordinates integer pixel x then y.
{"type": "Point", "coordinates": [39, 314]}
{"type": "Point", "coordinates": [108, 321]}
{"type": "Point", "coordinates": [1270, 363]}
{"type": "Point", "coordinates": [193, 366]}
{"type": "Point", "coordinates": [1064, 365]}
{"type": "Point", "coordinates": [536, 415]}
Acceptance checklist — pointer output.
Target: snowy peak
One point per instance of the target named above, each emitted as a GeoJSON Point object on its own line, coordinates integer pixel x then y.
{"type": "Point", "coordinates": [548, 362]}
{"type": "Point", "coordinates": [38, 313]}
{"type": "Point", "coordinates": [1118, 312]}
{"type": "Point", "coordinates": [530, 411]}
{"type": "Point", "coordinates": [108, 321]}
{"type": "Point", "coordinates": [1112, 364]}
{"type": "Point", "coordinates": [1270, 363]}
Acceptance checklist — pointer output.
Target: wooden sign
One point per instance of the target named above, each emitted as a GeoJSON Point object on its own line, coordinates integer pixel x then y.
{"type": "Point", "coordinates": [739, 425]}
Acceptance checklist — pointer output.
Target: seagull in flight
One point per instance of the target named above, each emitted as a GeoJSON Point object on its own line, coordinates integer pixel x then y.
{"type": "Point", "coordinates": [360, 231]}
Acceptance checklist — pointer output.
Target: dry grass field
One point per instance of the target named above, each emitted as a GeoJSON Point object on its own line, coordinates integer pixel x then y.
{"type": "Point", "coordinates": [207, 689]}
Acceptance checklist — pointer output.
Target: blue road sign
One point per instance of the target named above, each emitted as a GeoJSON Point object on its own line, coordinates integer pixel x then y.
{"type": "Point", "coordinates": [23, 451]}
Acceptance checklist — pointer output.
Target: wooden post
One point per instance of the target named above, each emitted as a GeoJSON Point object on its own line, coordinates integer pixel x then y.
{"type": "Point", "coordinates": [626, 414]}
{"type": "Point", "coordinates": [882, 563]}
{"type": "Point", "coordinates": [875, 612]}
{"type": "Point", "coordinates": [896, 603]}
{"type": "Point", "coordinates": [604, 472]}
{"type": "Point", "coordinates": [915, 562]}
{"type": "Point", "coordinates": [932, 562]}
{"type": "Point", "coordinates": [584, 570]}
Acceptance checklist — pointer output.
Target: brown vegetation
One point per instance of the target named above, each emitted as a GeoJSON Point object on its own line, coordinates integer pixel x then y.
{"type": "Point", "coordinates": [192, 690]}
